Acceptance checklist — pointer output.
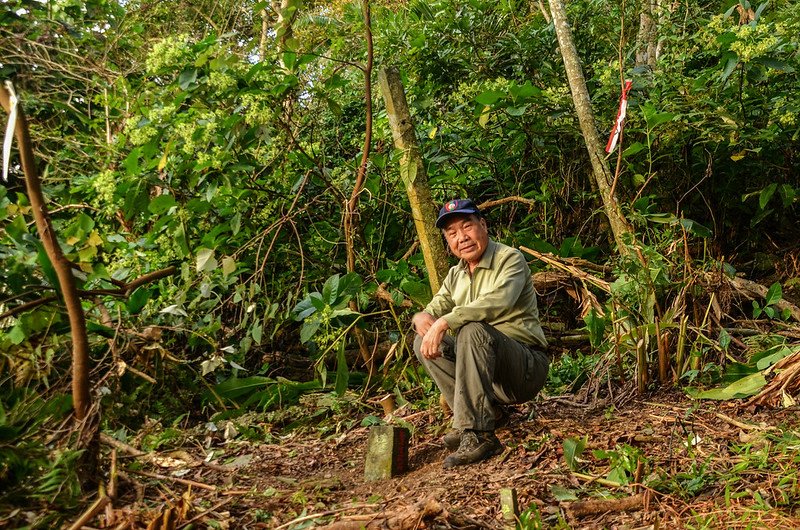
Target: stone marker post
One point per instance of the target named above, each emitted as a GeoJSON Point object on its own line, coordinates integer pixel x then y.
{"type": "Point", "coordinates": [387, 452]}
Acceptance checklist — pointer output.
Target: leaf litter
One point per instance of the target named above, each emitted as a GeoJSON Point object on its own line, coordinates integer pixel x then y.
{"type": "Point", "coordinates": [659, 462]}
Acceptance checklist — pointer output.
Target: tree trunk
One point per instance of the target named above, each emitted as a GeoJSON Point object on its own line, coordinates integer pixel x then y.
{"type": "Point", "coordinates": [647, 36]}
{"type": "Point", "coordinates": [620, 227]}
{"type": "Point", "coordinates": [81, 399]}
{"type": "Point", "coordinates": [351, 206]}
{"type": "Point", "coordinates": [412, 170]}
{"type": "Point", "coordinates": [287, 12]}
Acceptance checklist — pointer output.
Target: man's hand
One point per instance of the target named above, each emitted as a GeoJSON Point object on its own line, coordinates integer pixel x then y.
{"type": "Point", "coordinates": [422, 323]}
{"type": "Point", "coordinates": [433, 339]}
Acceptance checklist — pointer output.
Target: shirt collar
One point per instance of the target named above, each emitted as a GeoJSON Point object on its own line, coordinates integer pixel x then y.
{"type": "Point", "coordinates": [485, 261]}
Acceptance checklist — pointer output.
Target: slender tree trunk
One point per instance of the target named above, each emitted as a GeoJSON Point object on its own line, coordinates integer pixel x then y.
{"type": "Point", "coordinates": [647, 36]}
{"type": "Point", "coordinates": [351, 206]}
{"type": "Point", "coordinates": [620, 227]}
{"type": "Point", "coordinates": [262, 43]}
{"type": "Point", "coordinates": [545, 12]}
{"type": "Point", "coordinates": [287, 12]}
{"type": "Point", "coordinates": [412, 170]}
{"type": "Point", "coordinates": [81, 399]}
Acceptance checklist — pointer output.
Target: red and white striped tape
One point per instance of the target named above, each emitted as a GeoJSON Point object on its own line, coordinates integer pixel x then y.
{"type": "Point", "coordinates": [623, 107]}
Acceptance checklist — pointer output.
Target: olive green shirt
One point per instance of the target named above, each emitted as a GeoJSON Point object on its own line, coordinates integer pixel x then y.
{"type": "Point", "coordinates": [499, 292]}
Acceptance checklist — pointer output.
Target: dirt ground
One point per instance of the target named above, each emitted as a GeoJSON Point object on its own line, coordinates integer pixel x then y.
{"type": "Point", "coordinates": [703, 465]}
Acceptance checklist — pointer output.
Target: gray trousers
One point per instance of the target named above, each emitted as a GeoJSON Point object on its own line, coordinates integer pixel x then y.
{"type": "Point", "coordinates": [480, 368]}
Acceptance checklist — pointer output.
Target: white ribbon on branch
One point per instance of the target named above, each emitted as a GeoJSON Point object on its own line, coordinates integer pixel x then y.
{"type": "Point", "coordinates": [12, 123]}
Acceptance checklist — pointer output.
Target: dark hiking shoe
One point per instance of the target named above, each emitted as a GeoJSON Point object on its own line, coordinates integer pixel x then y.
{"type": "Point", "coordinates": [452, 439]}
{"type": "Point", "coordinates": [474, 447]}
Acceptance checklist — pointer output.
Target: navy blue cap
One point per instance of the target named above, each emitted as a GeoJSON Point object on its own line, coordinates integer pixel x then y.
{"type": "Point", "coordinates": [455, 207]}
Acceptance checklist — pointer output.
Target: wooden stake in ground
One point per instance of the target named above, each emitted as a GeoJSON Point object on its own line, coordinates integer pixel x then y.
{"type": "Point", "coordinates": [412, 171]}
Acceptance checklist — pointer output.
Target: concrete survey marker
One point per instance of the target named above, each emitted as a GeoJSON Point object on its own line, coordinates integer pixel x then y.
{"type": "Point", "coordinates": [387, 452]}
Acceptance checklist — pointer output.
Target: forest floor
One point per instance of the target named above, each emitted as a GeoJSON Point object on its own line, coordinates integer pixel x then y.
{"type": "Point", "coordinates": [673, 462]}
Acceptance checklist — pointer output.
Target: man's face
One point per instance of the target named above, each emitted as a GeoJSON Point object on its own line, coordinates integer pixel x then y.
{"type": "Point", "coordinates": [467, 237]}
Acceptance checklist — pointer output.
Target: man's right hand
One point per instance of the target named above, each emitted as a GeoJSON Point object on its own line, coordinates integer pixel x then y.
{"type": "Point", "coordinates": [422, 323]}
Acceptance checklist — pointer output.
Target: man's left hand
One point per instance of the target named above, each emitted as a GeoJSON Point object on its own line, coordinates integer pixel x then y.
{"type": "Point", "coordinates": [433, 339]}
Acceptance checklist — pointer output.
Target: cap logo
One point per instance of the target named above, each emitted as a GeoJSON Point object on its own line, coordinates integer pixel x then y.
{"type": "Point", "coordinates": [452, 205]}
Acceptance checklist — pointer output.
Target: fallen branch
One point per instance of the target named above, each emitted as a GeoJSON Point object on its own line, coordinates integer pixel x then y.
{"type": "Point", "coordinates": [565, 266]}
{"type": "Point", "coordinates": [326, 513]}
{"type": "Point", "coordinates": [755, 290]}
{"type": "Point", "coordinates": [96, 507]}
{"type": "Point", "coordinates": [122, 446]}
{"type": "Point", "coordinates": [597, 480]}
{"type": "Point", "coordinates": [183, 481]}
{"type": "Point", "coordinates": [785, 383]}
{"type": "Point", "coordinates": [204, 513]}
{"type": "Point", "coordinates": [595, 506]}
{"type": "Point", "coordinates": [408, 519]}
{"type": "Point", "coordinates": [736, 423]}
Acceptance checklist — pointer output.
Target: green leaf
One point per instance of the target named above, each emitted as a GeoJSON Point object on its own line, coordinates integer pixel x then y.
{"type": "Point", "coordinates": [317, 301]}
{"type": "Point", "coordinates": [489, 97]}
{"type": "Point", "coordinates": [161, 204]}
{"type": "Point", "coordinates": [330, 291]}
{"type": "Point", "coordinates": [516, 111]}
{"type": "Point", "coordinates": [788, 194]}
{"type": "Point", "coordinates": [17, 229]}
{"type": "Point", "coordinates": [408, 170]}
{"type": "Point", "coordinates": [289, 60]}
{"type": "Point", "coordinates": [131, 162]}
{"type": "Point", "coordinates": [187, 78]}
{"type": "Point", "coordinates": [303, 309]}
{"type": "Point", "coordinates": [484, 118]}
{"type": "Point", "coordinates": [138, 299]}
{"type": "Point", "coordinates": [16, 335]}
{"type": "Point", "coordinates": [560, 493]}
{"type": "Point", "coordinates": [765, 362]}
{"type": "Point", "coordinates": [632, 149]}
{"type": "Point", "coordinates": [342, 371]}
{"type": "Point", "coordinates": [180, 238]}
{"type": "Point", "coordinates": [573, 449]}
{"type": "Point", "coordinates": [775, 64]}
{"type": "Point", "coordinates": [744, 387]}
{"type": "Point", "coordinates": [724, 339]}
{"type": "Point", "coordinates": [657, 118]}
{"type": "Point", "coordinates": [729, 60]}
{"type": "Point", "coordinates": [103, 331]}
{"type": "Point", "coordinates": [256, 332]}
{"type": "Point", "coordinates": [310, 326]}
{"type": "Point", "coordinates": [696, 228]}
{"type": "Point", "coordinates": [206, 261]}
{"type": "Point", "coordinates": [47, 268]}
{"type": "Point", "coordinates": [236, 387]}
{"type": "Point", "coordinates": [774, 294]}
{"type": "Point", "coordinates": [419, 292]}
{"type": "Point", "coordinates": [228, 266]}
{"type": "Point", "coordinates": [596, 325]}
{"type": "Point", "coordinates": [236, 223]}
{"type": "Point", "coordinates": [766, 194]}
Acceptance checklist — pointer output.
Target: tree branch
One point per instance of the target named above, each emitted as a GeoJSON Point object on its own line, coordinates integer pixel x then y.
{"type": "Point", "coordinates": [125, 289]}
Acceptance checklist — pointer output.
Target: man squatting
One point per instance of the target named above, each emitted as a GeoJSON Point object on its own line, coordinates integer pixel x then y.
{"type": "Point", "coordinates": [495, 353]}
